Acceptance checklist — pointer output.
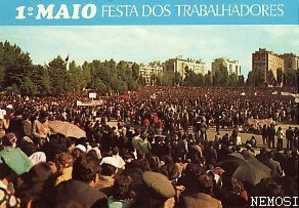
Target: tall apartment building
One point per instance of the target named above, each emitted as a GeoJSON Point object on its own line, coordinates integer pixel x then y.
{"type": "Point", "coordinates": [181, 65]}
{"type": "Point", "coordinates": [265, 61]}
{"type": "Point", "coordinates": [291, 61]}
{"type": "Point", "coordinates": [232, 66]}
{"type": "Point", "coordinates": [146, 71]}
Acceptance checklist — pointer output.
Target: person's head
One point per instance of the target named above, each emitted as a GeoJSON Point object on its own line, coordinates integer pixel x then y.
{"type": "Point", "coordinates": [108, 170]}
{"type": "Point", "coordinates": [9, 140]}
{"type": "Point", "coordinates": [205, 183]}
{"type": "Point", "coordinates": [34, 183]}
{"type": "Point", "coordinates": [85, 170]}
{"type": "Point", "coordinates": [63, 160]}
{"type": "Point", "coordinates": [237, 185]}
{"type": "Point", "coordinates": [115, 151]}
{"type": "Point", "coordinates": [43, 116]}
{"type": "Point", "coordinates": [79, 151]}
{"type": "Point", "coordinates": [158, 190]}
{"type": "Point", "coordinates": [122, 187]}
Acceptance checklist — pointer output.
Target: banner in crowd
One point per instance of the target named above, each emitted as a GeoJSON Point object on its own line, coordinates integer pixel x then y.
{"type": "Point", "coordinates": [91, 103]}
{"type": "Point", "coordinates": [259, 122]}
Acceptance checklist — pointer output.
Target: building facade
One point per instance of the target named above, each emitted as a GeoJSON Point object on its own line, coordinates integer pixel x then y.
{"type": "Point", "coordinates": [291, 61]}
{"type": "Point", "coordinates": [232, 66]}
{"type": "Point", "coordinates": [265, 61]}
{"type": "Point", "coordinates": [181, 65]}
{"type": "Point", "coordinates": [149, 71]}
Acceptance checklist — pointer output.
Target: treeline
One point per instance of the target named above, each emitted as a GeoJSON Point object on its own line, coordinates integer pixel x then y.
{"type": "Point", "coordinates": [221, 78]}
{"type": "Point", "coordinates": [18, 74]}
{"type": "Point", "coordinates": [192, 79]}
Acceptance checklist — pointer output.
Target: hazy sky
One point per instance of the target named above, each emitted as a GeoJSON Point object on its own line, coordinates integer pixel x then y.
{"type": "Point", "coordinates": [148, 43]}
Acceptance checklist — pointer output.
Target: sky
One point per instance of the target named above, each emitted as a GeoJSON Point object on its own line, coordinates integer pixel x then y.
{"type": "Point", "coordinates": [143, 44]}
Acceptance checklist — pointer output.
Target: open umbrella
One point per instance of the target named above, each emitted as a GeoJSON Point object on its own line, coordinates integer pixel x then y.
{"type": "Point", "coordinates": [252, 172]}
{"type": "Point", "coordinates": [231, 164]}
{"type": "Point", "coordinates": [67, 129]}
{"type": "Point", "coordinates": [236, 155]}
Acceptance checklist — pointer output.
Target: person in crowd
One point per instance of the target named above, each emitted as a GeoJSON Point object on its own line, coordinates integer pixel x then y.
{"type": "Point", "coordinates": [204, 194]}
{"type": "Point", "coordinates": [64, 167]}
{"type": "Point", "coordinates": [40, 128]}
{"type": "Point", "coordinates": [273, 165]}
{"type": "Point", "coordinates": [290, 138]}
{"type": "Point", "coordinates": [271, 136]}
{"type": "Point", "coordinates": [153, 148]}
{"type": "Point", "coordinates": [80, 188]}
{"type": "Point", "coordinates": [4, 124]}
{"type": "Point", "coordinates": [264, 134]}
{"type": "Point", "coordinates": [158, 190]}
{"type": "Point", "coordinates": [280, 137]}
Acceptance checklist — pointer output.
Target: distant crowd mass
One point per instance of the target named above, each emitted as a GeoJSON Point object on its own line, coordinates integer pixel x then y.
{"type": "Point", "coordinates": [157, 147]}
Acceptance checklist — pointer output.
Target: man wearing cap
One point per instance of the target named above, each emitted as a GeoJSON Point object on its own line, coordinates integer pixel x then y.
{"type": "Point", "coordinates": [155, 192]}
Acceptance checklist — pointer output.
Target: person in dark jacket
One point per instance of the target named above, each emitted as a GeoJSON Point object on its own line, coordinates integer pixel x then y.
{"type": "Point", "coordinates": [271, 136]}
{"type": "Point", "coordinates": [203, 197]}
{"type": "Point", "coordinates": [80, 188]}
{"type": "Point", "coordinates": [290, 138]}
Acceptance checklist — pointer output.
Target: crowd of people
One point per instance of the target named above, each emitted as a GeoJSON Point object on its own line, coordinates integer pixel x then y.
{"type": "Point", "coordinates": [150, 148]}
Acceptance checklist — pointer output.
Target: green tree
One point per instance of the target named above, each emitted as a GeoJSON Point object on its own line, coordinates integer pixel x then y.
{"type": "Point", "coordinates": [40, 78]}
{"type": "Point", "coordinates": [241, 81]}
{"type": "Point", "coordinates": [16, 65]}
{"type": "Point", "coordinates": [2, 75]}
{"type": "Point", "coordinates": [177, 78]}
{"type": "Point", "coordinates": [208, 79]}
{"type": "Point", "coordinates": [220, 77]}
{"type": "Point", "coordinates": [290, 77]}
{"type": "Point", "coordinates": [58, 76]}
{"type": "Point", "coordinates": [27, 87]}
{"type": "Point", "coordinates": [100, 86]}
{"type": "Point", "coordinates": [279, 75]}
{"type": "Point", "coordinates": [233, 80]}
{"type": "Point", "coordinates": [76, 77]}
{"type": "Point", "coordinates": [193, 79]}
{"type": "Point", "coordinates": [135, 71]}
{"type": "Point", "coordinates": [167, 78]}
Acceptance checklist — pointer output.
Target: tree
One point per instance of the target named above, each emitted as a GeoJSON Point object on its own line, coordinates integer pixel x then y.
{"type": "Point", "coordinates": [220, 77]}
{"type": "Point", "coordinates": [16, 66]}
{"type": "Point", "coordinates": [279, 76]}
{"type": "Point", "coordinates": [100, 86]}
{"type": "Point", "coordinates": [256, 78]}
{"type": "Point", "coordinates": [233, 80]}
{"type": "Point", "coordinates": [270, 78]}
{"type": "Point", "coordinates": [18, 74]}
{"type": "Point", "coordinates": [40, 78]}
{"type": "Point", "coordinates": [177, 78]}
{"type": "Point", "coordinates": [27, 87]}
{"type": "Point", "coordinates": [241, 81]}
{"type": "Point", "coordinates": [193, 79]}
{"type": "Point", "coordinates": [208, 79]}
{"type": "Point", "coordinates": [2, 75]}
{"type": "Point", "coordinates": [76, 77]}
{"type": "Point", "coordinates": [167, 78]}
{"type": "Point", "coordinates": [290, 77]}
{"type": "Point", "coordinates": [135, 71]}
{"type": "Point", "coordinates": [58, 76]}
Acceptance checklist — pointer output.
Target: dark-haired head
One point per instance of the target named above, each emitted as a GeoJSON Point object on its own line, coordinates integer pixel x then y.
{"type": "Point", "coordinates": [85, 169]}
